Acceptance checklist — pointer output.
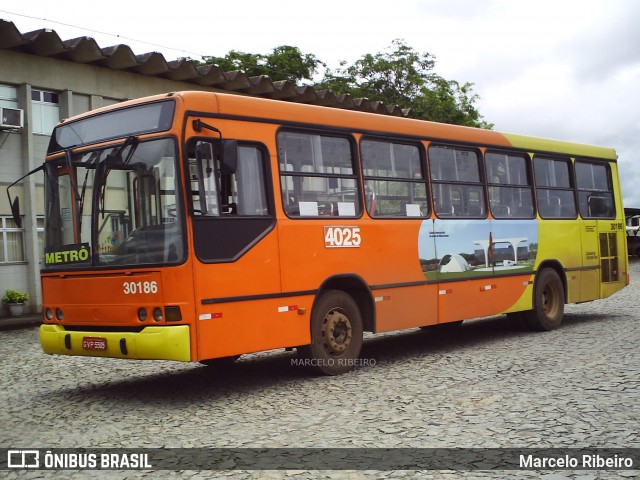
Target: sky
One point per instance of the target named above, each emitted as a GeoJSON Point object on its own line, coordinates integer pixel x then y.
{"type": "Point", "coordinates": [562, 69]}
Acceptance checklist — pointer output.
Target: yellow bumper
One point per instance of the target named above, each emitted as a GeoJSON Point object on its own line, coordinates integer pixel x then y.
{"type": "Point", "coordinates": [152, 343]}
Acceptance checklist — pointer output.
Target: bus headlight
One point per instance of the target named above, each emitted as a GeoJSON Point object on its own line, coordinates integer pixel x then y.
{"type": "Point", "coordinates": [157, 314]}
{"type": "Point", "coordinates": [59, 314]}
{"type": "Point", "coordinates": [48, 313]}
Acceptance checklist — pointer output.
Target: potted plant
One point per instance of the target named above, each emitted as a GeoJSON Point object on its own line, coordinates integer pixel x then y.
{"type": "Point", "coordinates": [15, 300]}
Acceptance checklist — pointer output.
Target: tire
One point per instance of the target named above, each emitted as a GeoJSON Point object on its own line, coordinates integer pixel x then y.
{"type": "Point", "coordinates": [548, 302]}
{"type": "Point", "coordinates": [336, 334]}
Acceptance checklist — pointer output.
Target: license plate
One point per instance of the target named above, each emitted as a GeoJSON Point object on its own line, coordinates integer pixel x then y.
{"type": "Point", "coordinates": [94, 343]}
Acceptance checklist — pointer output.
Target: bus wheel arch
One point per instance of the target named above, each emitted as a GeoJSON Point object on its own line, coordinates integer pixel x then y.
{"type": "Point", "coordinates": [549, 297]}
{"type": "Point", "coordinates": [337, 325]}
{"type": "Point", "coordinates": [356, 288]}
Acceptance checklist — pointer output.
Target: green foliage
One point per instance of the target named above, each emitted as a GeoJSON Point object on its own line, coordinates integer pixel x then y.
{"type": "Point", "coordinates": [13, 296]}
{"type": "Point", "coordinates": [398, 76]}
{"type": "Point", "coordinates": [283, 63]}
{"type": "Point", "coordinates": [403, 77]}
{"type": "Point", "coordinates": [395, 76]}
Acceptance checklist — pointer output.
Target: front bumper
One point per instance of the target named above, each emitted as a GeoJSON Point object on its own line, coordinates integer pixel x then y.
{"type": "Point", "coordinates": [152, 343]}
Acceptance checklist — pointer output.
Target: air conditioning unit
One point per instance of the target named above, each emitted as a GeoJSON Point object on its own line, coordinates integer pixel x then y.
{"type": "Point", "coordinates": [11, 118]}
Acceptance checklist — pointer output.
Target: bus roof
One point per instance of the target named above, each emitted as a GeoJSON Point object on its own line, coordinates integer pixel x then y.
{"type": "Point", "coordinates": [278, 111]}
{"type": "Point", "coordinates": [274, 110]}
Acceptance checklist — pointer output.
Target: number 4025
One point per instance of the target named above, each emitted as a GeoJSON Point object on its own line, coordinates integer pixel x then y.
{"type": "Point", "coordinates": [342, 237]}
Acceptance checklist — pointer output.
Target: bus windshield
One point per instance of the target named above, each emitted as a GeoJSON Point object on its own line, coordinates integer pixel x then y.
{"type": "Point", "coordinates": [114, 206]}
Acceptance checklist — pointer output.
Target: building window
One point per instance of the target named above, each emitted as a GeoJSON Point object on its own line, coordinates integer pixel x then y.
{"type": "Point", "coordinates": [8, 96]}
{"type": "Point", "coordinates": [11, 241]}
{"type": "Point", "coordinates": [46, 111]}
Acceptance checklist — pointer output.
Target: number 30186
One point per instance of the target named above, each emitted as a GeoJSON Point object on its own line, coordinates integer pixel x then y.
{"type": "Point", "coordinates": [133, 288]}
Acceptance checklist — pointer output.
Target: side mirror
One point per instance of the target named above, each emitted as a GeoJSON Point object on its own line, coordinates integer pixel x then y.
{"type": "Point", "coordinates": [15, 203]}
{"type": "Point", "coordinates": [229, 160]}
{"type": "Point", "coordinates": [15, 211]}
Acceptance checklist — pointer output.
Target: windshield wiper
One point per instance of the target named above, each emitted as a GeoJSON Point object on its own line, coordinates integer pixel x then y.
{"type": "Point", "coordinates": [116, 154]}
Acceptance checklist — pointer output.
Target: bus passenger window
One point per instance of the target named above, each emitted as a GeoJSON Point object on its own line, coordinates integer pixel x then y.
{"type": "Point", "coordinates": [394, 181]}
{"type": "Point", "coordinates": [456, 183]}
{"type": "Point", "coordinates": [554, 188]}
{"type": "Point", "coordinates": [317, 175]}
{"type": "Point", "coordinates": [510, 190]}
{"type": "Point", "coordinates": [595, 190]}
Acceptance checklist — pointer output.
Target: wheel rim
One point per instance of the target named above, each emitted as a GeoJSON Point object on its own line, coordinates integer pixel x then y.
{"type": "Point", "coordinates": [550, 302]}
{"type": "Point", "coordinates": [336, 331]}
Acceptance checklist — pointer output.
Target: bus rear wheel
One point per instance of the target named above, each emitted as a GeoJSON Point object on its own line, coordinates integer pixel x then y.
{"type": "Point", "coordinates": [336, 334]}
{"type": "Point", "coordinates": [548, 302]}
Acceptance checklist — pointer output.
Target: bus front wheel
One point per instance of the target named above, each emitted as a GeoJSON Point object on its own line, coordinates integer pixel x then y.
{"type": "Point", "coordinates": [336, 334]}
{"type": "Point", "coordinates": [548, 302]}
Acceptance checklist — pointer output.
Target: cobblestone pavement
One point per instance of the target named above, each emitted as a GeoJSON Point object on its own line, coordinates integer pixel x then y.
{"type": "Point", "coordinates": [491, 384]}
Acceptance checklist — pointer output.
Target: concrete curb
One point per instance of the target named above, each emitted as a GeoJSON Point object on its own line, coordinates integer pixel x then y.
{"type": "Point", "coordinates": [24, 321]}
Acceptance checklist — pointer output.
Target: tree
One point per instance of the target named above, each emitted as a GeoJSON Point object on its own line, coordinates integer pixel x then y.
{"type": "Point", "coordinates": [283, 63]}
{"type": "Point", "coordinates": [395, 77]}
{"type": "Point", "coordinates": [399, 76]}
{"type": "Point", "coordinates": [403, 77]}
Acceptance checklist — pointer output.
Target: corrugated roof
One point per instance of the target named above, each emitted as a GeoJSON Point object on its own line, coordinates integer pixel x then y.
{"type": "Point", "coordinates": [47, 43]}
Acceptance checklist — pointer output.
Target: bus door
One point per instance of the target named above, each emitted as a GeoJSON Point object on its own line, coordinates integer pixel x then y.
{"type": "Point", "coordinates": [602, 235]}
{"type": "Point", "coordinates": [590, 273]}
{"type": "Point", "coordinates": [611, 240]}
{"type": "Point", "coordinates": [236, 265]}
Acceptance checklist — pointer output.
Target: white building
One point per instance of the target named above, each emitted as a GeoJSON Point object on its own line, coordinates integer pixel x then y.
{"type": "Point", "coordinates": [44, 79]}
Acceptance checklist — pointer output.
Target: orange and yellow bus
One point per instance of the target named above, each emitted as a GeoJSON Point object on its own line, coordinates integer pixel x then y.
{"type": "Point", "coordinates": [196, 226]}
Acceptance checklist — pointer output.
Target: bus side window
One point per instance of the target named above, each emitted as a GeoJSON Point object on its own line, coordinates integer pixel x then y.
{"type": "Point", "coordinates": [456, 182]}
{"type": "Point", "coordinates": [317, 175]}
{"type": "Point", "coordinates": [202, 176]}
{"type": "Point", "coordinates": [595, 190]}
{"type": "Point", "coordinates": [394, 181]}
{"type": "Point", "coordinates": [554, 188]}
{"type": "Point", "coordinates": [215, 191]}
{"type": "Point", "coordinates": [248, 186]}
{"type": "Point", "coordinates": [510, 189]}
